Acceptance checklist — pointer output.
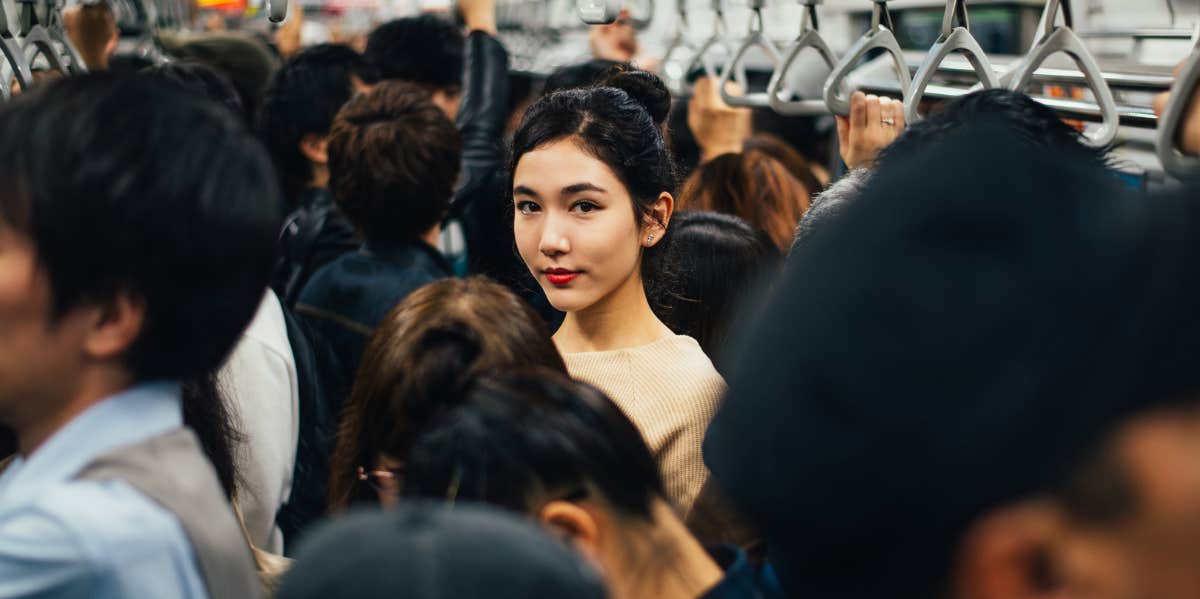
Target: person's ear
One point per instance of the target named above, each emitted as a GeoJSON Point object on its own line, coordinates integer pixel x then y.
{"type": "Point", "coordinates": [1011, 553]}
{"type": "Point", "coordinates": [658, 220]}
{"type": "Point", "coordinates": [315, 148]}
{"type": "Point", "coordinates": [575, 523]}
{"type": "Point", "coordinates": [113, 326]}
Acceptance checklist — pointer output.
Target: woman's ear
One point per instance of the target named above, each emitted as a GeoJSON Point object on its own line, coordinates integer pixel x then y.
{"type": "Point", "coordinates": [658, 220]}
{"type": "Point", "coordinates": [574, 523]}
{"type": "Point", "coordinates": [1012, 553]}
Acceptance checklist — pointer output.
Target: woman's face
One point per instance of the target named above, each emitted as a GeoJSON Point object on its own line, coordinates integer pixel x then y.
{"type": "Point", "coordinates": [575, 225]}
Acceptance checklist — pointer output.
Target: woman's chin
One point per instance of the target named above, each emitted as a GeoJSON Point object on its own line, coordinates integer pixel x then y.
{"type": "Point", "coordinates": [565, 300]}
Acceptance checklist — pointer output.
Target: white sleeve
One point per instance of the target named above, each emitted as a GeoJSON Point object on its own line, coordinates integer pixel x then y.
{"type": "Point", "coordinates": [260, 382]}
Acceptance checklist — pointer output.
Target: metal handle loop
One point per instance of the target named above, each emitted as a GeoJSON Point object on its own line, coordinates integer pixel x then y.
{"type": "Point", "coordinates": [755, 38]}
{"type": "Point", "coordinates": [810, 37]}
{"type": "Point", "coordinates": [953, 39]}
{"type": "Point", "coordinates": [878, 36]}
{"type": "Point", "coordinates": [1174, 161]}
{"type": "Point", "coordinates": [1055, 39]}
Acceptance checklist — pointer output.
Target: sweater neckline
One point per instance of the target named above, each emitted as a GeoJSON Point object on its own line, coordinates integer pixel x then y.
{"type": "Point", "coordinates": [668, 340]}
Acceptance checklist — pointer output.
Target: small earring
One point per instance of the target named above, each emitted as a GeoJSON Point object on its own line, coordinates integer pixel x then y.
{"type": "Point", "coordinates": [650, 238]}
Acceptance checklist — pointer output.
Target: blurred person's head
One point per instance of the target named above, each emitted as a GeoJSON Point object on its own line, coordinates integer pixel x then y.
{"type": "Point", "coordinates": [416, 365]}
{"type": "Point", "coordinates": [718, 260]}
{"type": "Point", "coordinates": [92, 29]}
{"type": "Point", "coordinates": [591, 184]}
{"type": "Point", "coordinates": [561, 452]}
{"type": "Point", "coordinates": [144, 264]}
{"type": "Point", "coordinates": [433, 551]}
{"type": "Point", "coordinates": [394, 159]}
{"type": "Point", "coordinates": [243, 58]}
{"type": "Point", "coordinates": [425, 50]}
{"type": "Point", "coordinates": [752, 186]}
{"type": "Point", "coordinates": [199, 79]}
{"type": "Point", "coordinates": [298, 109]}
{"type": "Point", "coordinates": [788, 156]}
{"type": "Point", "coordinates": [954, 350]}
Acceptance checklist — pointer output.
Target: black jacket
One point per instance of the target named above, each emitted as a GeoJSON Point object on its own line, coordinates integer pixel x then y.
{"type": "Point", "coordinates": [481, 202]}
{"type": "Point", "coordinates": [313, 234]}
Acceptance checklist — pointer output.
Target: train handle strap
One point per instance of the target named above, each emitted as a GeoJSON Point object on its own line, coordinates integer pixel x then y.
{"type": "Point", "coordinates": [702, 58]}
{"type": "Point", "coordinates": [878, 36]}
{"type": "Point", "coordinates": [1054, 39]}
{"type": "Point", "coordinates": [810, 37]}
{"type": "Point", "coordinates": [1174, 161]}
{"type": "Point", "coordinates": [754, 39]}
{"type": "Point", "coordinates": [954, 38]}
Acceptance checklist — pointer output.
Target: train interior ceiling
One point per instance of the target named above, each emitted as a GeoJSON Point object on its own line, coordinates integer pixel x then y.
{"type": "Point", "coordinates": [1136, 46]}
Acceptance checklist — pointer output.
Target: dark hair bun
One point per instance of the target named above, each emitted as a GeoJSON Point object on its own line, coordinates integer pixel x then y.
{"type": "Point", "coordinates": [644, 87]}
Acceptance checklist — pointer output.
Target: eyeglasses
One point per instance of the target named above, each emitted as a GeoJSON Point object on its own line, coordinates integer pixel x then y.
{"type": "Point", "coordinates": [384, 481]}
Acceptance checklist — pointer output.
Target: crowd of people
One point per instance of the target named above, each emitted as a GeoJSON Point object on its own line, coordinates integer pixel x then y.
{"type": "Point", "coordinates": [340, 323]}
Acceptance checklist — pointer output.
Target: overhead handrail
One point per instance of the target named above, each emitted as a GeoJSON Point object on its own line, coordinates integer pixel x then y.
{"type": "Point", "coordinates": [878, 36]}
{"type": "Point", "coordinates": [753, 39]}
{"type": "Point", "coordinates": [676, 79]}
{"type": "Point", "coordinates": [715, 41]}
{"type": "Point", "coordinates": [1053, 39]}
{"type": "Point", "coordinates": [810, 37]}
{"type": "Point", "coordinates": [277, 10]}
{"type": "Point", "coordinates": [14, 55]}
{"type": "Point", "coordinates": [1174, 161]}
{"type": "Point", "coordinates": [954, 38]}
{"type": "Point", "coordinates": [41, 38]}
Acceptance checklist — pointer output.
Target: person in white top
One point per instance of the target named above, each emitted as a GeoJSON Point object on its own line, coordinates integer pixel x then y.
{"type": "Point", "coordinates": [259, 380]}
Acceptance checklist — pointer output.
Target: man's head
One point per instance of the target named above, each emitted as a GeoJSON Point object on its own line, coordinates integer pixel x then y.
{"type": "Point", "coordinates": [393, 163]}
{"type": "Point", "coordinates": [137, 229]}
{"type": "Point", "coordinates": [941, 356]}
{"type": "Point", "coordinates": [426, 51]}
{"type": "Point", "coordinates": [300, 103]}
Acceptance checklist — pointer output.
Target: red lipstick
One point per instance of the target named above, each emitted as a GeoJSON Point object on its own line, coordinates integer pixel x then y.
{"type": "Point", "coordinates": [560, 276]}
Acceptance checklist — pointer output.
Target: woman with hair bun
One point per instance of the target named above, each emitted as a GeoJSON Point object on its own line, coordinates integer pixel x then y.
{"type": "Point", "coordinates": [591, 184]}
{"type": "Point", "coordinates": [425, 351]}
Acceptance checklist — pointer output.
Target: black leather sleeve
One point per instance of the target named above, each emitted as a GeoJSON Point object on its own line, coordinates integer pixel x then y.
{"type": "Point", "coordinates": [483, 111]}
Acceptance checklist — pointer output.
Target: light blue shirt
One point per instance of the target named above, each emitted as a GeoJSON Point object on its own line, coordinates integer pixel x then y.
{"type": "Point", "coordinates": [66, 538]}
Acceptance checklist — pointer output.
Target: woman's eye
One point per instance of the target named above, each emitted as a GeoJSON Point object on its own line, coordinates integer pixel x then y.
{"type": "Point", "coordinates": [585, 206]}
{"type": "Point", "coordinates": [527, 207]}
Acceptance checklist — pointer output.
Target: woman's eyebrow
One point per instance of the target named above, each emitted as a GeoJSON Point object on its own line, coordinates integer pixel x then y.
{"type": "Point", "coordinates": [521, 190]}
{"type": "Point", "coordinates": [582, 187]}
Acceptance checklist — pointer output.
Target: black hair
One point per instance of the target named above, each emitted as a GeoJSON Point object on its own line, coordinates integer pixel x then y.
{"type": "Point", "coordinates": [525, 437]}
{"type": "Point", "coordinates": [127, 185]}
{"type": "Point", "coordinates": [719, 260]}
{"type": "Point", "coordinates": [303, 97]}
{"type": "Point", "coordinates": [618, 130]}
{"type": "Point", "coordinates": [1032, 122]}
{"type": "Point", "coordinates": [645, 87]}
{"type": "Point", "coordinates": [244, 58]}
{"type": "Point", "coordinates": [575, 76]}
{"type": "Point", "coordinates": [201, 79]}
{"type": "Point", "coordinates": [207, 412]}
{"type": "Point", "coordinates": [426, 50]}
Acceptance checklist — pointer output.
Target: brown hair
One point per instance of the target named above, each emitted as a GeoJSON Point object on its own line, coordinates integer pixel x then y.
{"type": "Point", "coordinates": [753, 186]}
{"type": "Point", "coordinates": [788, 156]}
{"type": "Point", "coordinates": [393, 162]}
{"type": "Point", "coordinates": [423, 356]}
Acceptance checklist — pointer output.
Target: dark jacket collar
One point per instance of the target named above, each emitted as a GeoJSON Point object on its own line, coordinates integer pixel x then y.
{"type": "Point", "coordinates": [409, 252]}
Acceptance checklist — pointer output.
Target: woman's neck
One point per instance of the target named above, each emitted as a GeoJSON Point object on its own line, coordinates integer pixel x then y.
{"type": "Point", "coordinates": [620, 320]}
{"type": "Point", "coordinates": [687, 571]}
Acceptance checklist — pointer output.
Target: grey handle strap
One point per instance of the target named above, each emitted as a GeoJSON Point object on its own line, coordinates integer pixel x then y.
{"type": "Point", "coordinates": [1055, 39]}
{"type": "Point", "coordinates": [1174, 161]}
{"type": "Point", "coordinates": [878, 36]}
{"type": "Point", "coordinates": [953, 39]}
{"type": "Point", "coordinates": [810, 37]}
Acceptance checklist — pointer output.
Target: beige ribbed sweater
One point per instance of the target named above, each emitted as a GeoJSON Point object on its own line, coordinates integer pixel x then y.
{"type": "Point", "coordinates": [671, 391]}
